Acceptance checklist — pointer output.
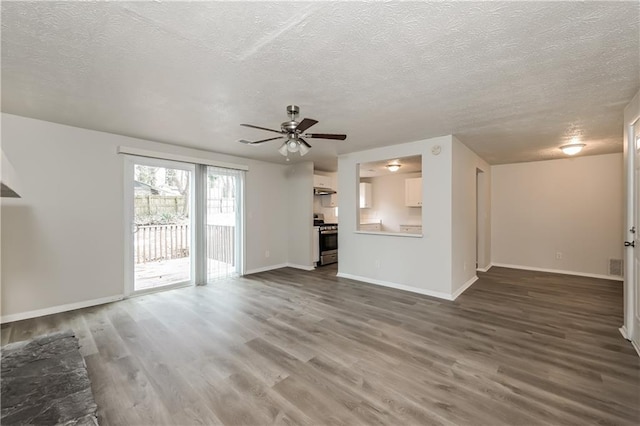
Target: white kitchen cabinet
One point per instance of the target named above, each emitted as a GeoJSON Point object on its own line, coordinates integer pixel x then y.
{"type": "Point", "coordinates": [413, 192]}
{"type": "Point", "coordinates": [321, 181]}
{"type": "Point", "coordinates": [330, 200]}
{"type": "Point", "coordinates": [371, 227]}
{"type": "Point", "coordinates": [411, 229]}
{"type": "Point", "coordinates": [366, 201]}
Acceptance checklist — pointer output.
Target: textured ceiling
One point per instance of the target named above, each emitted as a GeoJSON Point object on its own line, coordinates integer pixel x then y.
{"type": "Point", "coordinates": [512, 80]}
{"type": "Point", "coordinates": [410, 164]}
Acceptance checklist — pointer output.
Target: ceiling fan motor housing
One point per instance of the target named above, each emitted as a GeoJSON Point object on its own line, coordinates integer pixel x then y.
{"type": "Point", "coordinates": [293, 110]}
{"type": "Point", "coordinates": [289, 126]}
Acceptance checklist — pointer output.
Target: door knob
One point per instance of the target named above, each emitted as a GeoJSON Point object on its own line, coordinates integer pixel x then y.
{"type": "Point", "coordinates": [629, 243]}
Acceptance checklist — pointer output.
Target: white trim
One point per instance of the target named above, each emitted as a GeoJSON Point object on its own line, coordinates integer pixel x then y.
{"type": "Point", "coordinates": [266, 268]}
{"type": "Point", "coordinates": [382, 283]}
{"type": "Point", "coordinates": [636, 347]}
{"type": "Point", "coordinates": [160, 288]}
{"type": "Point", "coordinates": [177, 157]}
{"type": "Point", "coordinates": [623, 331]}
{"type": "Point", "coordinates": [465, 286]}
{"type": "Point", "coordinates": [485, 269]}
{"type": "Point", "coordinates": [303, 267]}
{"type": "Point", "coordinates": [60, 308]}
{"type": "Point", "coordinates": [558, 271]}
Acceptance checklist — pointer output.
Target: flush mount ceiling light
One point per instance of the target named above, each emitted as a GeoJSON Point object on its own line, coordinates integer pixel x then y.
{"type": "Point", "coordinates": [573, 148]}
{"type": "Point", "coordinates": [393, 167]}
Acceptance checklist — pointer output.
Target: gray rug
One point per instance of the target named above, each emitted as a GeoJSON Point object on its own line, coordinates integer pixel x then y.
{"type": "Point", "coordinates": [45, 382]}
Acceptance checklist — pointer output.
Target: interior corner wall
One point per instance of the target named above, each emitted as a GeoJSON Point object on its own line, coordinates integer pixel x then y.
{"type": "Point", "coordinates": [62, 243]}
{"type": "Point", "coordinates": [559, 215]}
{"type": "Point", "coordinates": [464, 226]}
{"type": "Point", "coordinates": [299, 215]}
{"type": "Point", "coordinates": [420, 264]}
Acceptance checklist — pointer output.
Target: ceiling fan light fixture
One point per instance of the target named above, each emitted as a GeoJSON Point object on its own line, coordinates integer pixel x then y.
{"type": "Point", "coordinates": [573, 148]}
{"type": "Point", "coordinates": [393, 167]}
{"type": "Point", "coordinates": [304, 149]}
{"type": "Point", "coordinates": [293, 145]}
{"type": "Point", "coordinates": [283, 149]}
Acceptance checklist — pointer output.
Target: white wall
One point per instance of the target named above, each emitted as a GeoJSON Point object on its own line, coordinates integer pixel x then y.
{"type": "Point", "coordinates": [62, 243]}
{"type": "Point", "coordinates": [299, 214]}
{"type": "Point", "coordinates": [418, 264]}
{"type": "Point", "coordinates": [572, 206]}
{"type": "Point", "coordinates": [387, 193]}
{"type": "Point", "coordinates": [8, 175]}
{"type": "Point", "coordinates": [464, 214]}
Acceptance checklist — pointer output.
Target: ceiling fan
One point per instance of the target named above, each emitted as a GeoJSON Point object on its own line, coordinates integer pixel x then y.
{"type": "Point", "coordinates": [292, 131]}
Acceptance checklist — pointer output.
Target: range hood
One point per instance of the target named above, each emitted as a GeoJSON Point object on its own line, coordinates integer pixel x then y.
{"type": "Point", "coordinates": [323, 191]}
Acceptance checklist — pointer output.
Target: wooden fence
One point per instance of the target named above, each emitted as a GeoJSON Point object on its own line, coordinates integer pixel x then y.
{"type": "Point", "coordinates": [164, 242]}
{"type": "Point", "coordinates": [150, 205]}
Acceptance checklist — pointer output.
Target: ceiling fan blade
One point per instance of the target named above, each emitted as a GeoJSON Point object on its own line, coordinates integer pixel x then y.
{"type": "Point", "coordinates": [302, 141]}
{"type": "Point", "coordinates": [305, 124]}
{"type": "Point", "coordinates": [261, 128]}
{"type": "Point", "coordinates": [260, 141]}
{"type": "Point", "coordinates": [325, 136]}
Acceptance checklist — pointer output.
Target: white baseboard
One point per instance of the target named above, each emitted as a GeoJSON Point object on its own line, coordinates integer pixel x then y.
{"type": "Point", "coordinates": [636, 347]}
{"type": "Point", "coordinates": [438, 294]}
{"type": "Point", "coordinates": [61, 308]}
{"type": "Point", "coordinates": [266, 268]}
{"type": "Point", "coordinates": [485, 269]}
{"type": "Point", "coordinates": [303, 267]}
{"type": "Point", "coordinates": [279, 266]}
{"type": "Point", "coordinates": [465, 286]}
{"type": "Point", "coordinates": [623, 331]}
{"type": "Point", "coordinates": [558, 271]}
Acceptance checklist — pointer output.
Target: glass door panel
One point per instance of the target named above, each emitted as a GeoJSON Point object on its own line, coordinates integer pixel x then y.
{"type": "Point", "coordinates": [223, 222]}
{"type": "Point", "coordinates": [162, 224]}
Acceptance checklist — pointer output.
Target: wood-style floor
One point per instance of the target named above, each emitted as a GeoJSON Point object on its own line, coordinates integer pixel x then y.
{"type": "Point", "coordinates": [295, 347]}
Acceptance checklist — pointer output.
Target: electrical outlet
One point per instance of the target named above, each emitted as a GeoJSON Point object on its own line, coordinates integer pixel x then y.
{"type": "Point", "coordinates": [558, 255]}
{"type": "Point", "coordinates": [465, 266]}
{"type": "Point", "coordinates": [377, 263]}
{"type": "Point", "coordinates": [267, 254]}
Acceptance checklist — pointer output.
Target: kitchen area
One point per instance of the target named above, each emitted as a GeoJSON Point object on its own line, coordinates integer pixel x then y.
{"type": "Point", "coordinates": [325, 219]}
{"type": "Point", "coordinates": [390, 203]}
{"type": "Point", "coordinates": [390, 196]}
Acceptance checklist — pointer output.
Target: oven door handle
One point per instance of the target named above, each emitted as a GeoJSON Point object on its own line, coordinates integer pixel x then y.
{"type": "Point", "coordinates": [328, 232]}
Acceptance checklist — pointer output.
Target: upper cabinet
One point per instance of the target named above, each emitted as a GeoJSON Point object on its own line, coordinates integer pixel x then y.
{"type": "Point", "coordinates": [413, 192]}
{"type": "Point", "coordinates": [321, 181]}
{"type": "Point", "coordinates": [330, 200]}
{"type": "Point", "coordinates": [366, 201]}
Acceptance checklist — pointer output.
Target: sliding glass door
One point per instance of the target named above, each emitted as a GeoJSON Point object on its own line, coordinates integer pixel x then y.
{"type": "Point", "coordinates": [184, 223]}
{"type": "Point", "coordinates": [223, 222]}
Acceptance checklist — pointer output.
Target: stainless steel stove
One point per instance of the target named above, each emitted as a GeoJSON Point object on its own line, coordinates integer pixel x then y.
{"type": "Point", "coordinates": [328, 240]}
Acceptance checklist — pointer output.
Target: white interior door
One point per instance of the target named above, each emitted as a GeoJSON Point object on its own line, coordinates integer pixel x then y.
{"type": "Point", "coordinates": [635, 337]}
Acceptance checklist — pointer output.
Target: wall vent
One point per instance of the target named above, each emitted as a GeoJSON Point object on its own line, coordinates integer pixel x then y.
{"type": "Point", "coordinates": [615, 267]}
